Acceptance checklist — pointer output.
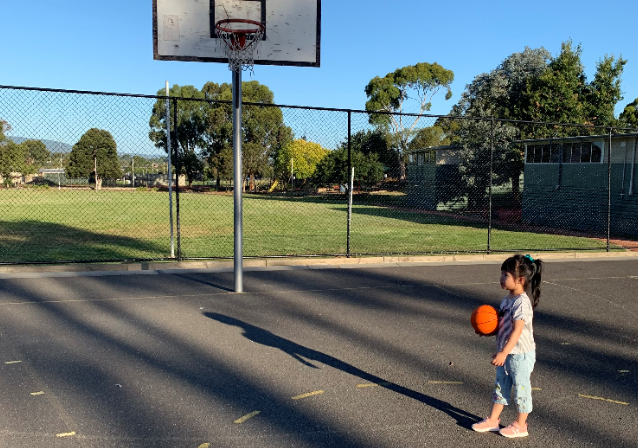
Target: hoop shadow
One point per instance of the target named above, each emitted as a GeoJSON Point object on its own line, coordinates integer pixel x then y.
{"type": "Point", "coordinates": [298, 352]}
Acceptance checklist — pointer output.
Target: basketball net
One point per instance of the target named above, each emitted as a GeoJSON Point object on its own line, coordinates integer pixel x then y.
{"type": "Point", "coordinates": [240, 38]}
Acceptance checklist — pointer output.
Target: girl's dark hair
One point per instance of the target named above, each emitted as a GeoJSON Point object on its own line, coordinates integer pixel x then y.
{"type": "Point", "coordinates": [528, 268]}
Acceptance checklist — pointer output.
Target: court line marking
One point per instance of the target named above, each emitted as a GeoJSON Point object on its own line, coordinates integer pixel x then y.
{"type": "Point", "coordinates": [183, 296]}
{"type": "Point", "coordinates": [65, 434]}
{"type": "Point", "coordinates": [536, 388]}
{"type": "Point", "coordinates": [383, 383]}
{"type": "Point", "coordinates": [309, 394]}
{"type": "Point", "coordinates": [37, 393]}
{"type": "Point", "coordinates": [13, 362]}
{"type": "Point", "coordinates": [591, 397]}
{"type": "Point", "coordinates": [241, 420]}
{"type": "Point", "coordinates": [50, 396]}
{"type": "Point", "coordinates": [594, 295]}
{"type": "Point", "coordinates": [445, 382]}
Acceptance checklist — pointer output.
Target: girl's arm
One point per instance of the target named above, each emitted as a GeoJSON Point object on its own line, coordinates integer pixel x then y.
{"type": "Point", "coordinates": [499, 358]}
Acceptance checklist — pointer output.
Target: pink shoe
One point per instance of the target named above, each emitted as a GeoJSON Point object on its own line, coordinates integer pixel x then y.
{"type": "Point", "coordinates": [487, 425]}
{"type": "Point", "coordinates": [514, 430]}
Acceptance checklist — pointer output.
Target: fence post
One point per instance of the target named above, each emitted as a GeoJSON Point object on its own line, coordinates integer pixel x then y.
{"type": "Point", "coordinates": [350, 183]}
{"type": "Point", "coordinates": [170, 170]}
{"type": "Point", "coordinates": [609, 191]}
{"type": "Point", "coordinates": [177, 169]}
{"type": "Point", "coordinates": [489, 212]}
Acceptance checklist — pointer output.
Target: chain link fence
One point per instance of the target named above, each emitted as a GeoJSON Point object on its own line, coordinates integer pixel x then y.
{"type": "Point", "coordinates": [85, 178]}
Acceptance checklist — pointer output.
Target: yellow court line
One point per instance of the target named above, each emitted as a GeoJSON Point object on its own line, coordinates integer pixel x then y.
{"type": "Point", "coordinates": [603, 399]}
{"type": "Point", "coordinates": [65, 434]}
{"type": "Point", "coordinates": [374, 384]}
{"type": "Point", "coordinates": [246, 417]}
{"type": "Point", "coordinates": [309, 394]}
{"type": "Point", "coordinates": [445, 382]}
{"type": "Point", "coordinates": [536, 388]}
{"type": "Point", "coordinates": [37, 393]}
{"type": "Point", "coordinates": [13, 362]}
{"type": "Point", "coordinates": [204, 445]}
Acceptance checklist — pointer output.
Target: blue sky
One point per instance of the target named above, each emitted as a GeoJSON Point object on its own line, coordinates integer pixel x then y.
{"type": "Point", "coordinates": [107, 46]}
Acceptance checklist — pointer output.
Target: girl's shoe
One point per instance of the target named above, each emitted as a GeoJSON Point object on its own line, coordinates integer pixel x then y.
{"type": "Point", "coordinates": [514, 430]}
{"type": "Point", "coordinates": [487, 425]}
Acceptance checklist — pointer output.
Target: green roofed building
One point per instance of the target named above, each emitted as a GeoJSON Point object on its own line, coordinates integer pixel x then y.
{"type": "Point", "coordinates": [566, 179]}
{"type": "Point", "coordinates": [564, 183]}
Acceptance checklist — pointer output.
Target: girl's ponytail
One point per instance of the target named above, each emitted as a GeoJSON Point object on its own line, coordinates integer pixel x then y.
{"type": "Point", "coordinates": [536, 282]}
{"type": "Point", "coordinates": [528, 268]}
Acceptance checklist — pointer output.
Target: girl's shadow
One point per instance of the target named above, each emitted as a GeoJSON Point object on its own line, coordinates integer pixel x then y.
{"type": "Point", "coordinates": [299, 352]}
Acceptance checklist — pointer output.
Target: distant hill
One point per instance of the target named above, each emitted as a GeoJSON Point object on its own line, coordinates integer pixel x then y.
{"type": "Point", "coordinates": [52, 145]}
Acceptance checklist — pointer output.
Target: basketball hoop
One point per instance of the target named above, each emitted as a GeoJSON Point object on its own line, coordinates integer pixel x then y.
{"type": "Point", "coordinates": [240, 38]}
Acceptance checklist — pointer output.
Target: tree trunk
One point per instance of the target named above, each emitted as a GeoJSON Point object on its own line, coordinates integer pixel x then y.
{"type": "Point", "coordinates": [251, 186]}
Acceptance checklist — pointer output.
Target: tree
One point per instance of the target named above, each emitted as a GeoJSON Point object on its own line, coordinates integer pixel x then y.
{"type": "Point", "coordinates": [300, 156]}
{"type": "Point", "coordinates": [36, 154]}
{"type": "Point", "coordinates": [11, 160]}
{"type": "Point", "coordinates": [264, 132]}
{"type": "Point", "coordinates": [191, 126]}
{"type": "Point", "coordinates": [376, 142]}
{"type": "Point", "coordinates": [604, 91]}
{"type": "Point", "coordinates": [629, 116]}
{"type": "Point", "coordinates": [221, 164]}
{"type": "Point", "coordinates": [94, 155]}
{"type": "Point", "coordinates": [388, 94]}
{"type": "Point", "coordinates": [334, 168]}
{"type": "Point", "coordinates": [499, 93]}
{"type": "Point", "coordinates": [4, 127]}
{"type": "Point", "coordinates": [561, 94]}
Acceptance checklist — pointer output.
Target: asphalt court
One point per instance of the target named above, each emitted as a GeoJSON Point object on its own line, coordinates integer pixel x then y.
{"type": "Point", "coordinates": [373, 356]}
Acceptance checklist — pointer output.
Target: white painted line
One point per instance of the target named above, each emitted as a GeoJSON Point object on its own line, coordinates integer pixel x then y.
{"type": "Point", "coordinates": [37, 393]}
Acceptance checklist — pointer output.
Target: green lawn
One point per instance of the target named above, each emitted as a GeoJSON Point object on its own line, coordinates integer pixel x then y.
{"type": "Point", "coordinates": [77, 225]}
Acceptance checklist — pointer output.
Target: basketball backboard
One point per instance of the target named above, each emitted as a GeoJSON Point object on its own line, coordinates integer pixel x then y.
{"type": "Point", "coordinates": [184, 30]}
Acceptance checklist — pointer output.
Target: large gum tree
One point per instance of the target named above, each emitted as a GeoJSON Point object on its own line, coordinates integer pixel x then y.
{"type": "Point", "coordinates": [391, 93]}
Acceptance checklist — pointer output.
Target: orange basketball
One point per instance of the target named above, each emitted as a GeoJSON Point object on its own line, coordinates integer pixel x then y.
{"type": "Point", "coordinates": [485, 320]}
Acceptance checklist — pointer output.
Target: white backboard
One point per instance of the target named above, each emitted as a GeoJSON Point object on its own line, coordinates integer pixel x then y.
{"type": "Point", "coordinates": [184, 30]}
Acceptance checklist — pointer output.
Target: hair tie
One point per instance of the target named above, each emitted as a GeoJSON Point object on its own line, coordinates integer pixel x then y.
{"type": "Point", "coordinates": [529, 258]}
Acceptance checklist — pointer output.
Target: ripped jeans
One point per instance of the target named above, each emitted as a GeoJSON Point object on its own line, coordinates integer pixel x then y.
{"type": "Point", "coordinates": [515, 374]}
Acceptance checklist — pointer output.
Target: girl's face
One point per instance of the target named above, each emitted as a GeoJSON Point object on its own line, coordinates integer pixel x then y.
{"type": "Point", "coordinates": [511, 283]}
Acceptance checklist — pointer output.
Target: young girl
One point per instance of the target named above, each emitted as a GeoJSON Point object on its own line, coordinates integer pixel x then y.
{"type": "Point", "coordinates": [516, 350]}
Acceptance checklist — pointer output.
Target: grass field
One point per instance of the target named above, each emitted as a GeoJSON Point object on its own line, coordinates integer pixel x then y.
{"type": "Point", "coordinates": [81, 225]}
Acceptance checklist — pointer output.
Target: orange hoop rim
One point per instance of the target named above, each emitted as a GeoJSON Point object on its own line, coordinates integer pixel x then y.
{"type": "Point", "coordinates": [220, 26]}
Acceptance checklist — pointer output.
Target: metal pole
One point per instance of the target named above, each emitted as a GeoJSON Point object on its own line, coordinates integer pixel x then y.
{"type": "Point", "coordinates": [238, 180]}
{"type": "Point", "coordinates": [177, 168]}
{"type": "Point", "coordinates": [351, 187]}
{"type": "Point", "coordinates": [489, 215]}
{"type": "Point", "coordinates": [350, 183]}
{"type": "Point", "coordinates": [609, 191]}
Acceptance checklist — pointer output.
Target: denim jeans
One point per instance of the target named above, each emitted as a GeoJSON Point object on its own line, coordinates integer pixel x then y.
{"type": "Point", "coordinates": [515, 375]}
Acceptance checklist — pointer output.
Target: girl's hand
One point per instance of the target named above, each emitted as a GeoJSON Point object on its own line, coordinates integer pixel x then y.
{"type": "Point", "coordinates": [498, 359]}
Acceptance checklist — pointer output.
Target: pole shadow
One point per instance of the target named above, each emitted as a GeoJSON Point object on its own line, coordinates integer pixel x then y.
{"type": "Point", "coordinates": [299, 352]}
